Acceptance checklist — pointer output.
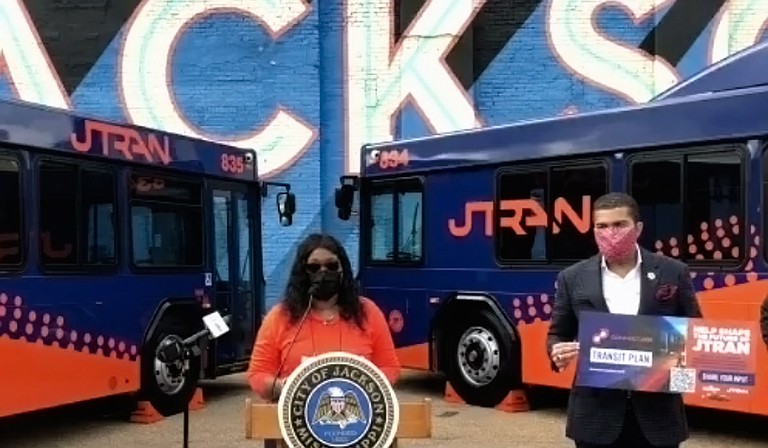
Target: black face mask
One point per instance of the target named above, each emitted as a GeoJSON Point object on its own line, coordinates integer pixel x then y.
{"type": "Point", "coordinates": [324, 284]}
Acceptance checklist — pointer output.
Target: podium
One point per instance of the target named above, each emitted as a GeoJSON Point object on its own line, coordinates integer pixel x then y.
{"type": "Point", "coordinates": [261, 422]}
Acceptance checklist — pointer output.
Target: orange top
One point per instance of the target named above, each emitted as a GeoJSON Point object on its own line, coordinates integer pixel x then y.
{"type": "Point", "coordinates": [373, 342]}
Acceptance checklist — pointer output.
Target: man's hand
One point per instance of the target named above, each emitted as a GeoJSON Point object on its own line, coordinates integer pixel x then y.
{"type": "Point", "coordinates": [563, 353]}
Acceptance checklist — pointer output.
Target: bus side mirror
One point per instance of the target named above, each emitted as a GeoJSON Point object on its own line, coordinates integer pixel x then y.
{"type": "Point", "coordinates": [345, 196]}
{"type": "Point", "coordinates": [286, 207]}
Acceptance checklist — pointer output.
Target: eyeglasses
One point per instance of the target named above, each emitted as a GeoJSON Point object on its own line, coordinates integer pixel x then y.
{"type": "Point", "coordinates": [329, 266]}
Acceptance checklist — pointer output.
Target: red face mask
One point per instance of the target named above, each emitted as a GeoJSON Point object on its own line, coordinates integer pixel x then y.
{"type": "Point", "coordinates": [616, 244]}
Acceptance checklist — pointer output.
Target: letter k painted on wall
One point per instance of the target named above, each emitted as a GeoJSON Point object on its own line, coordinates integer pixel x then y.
{"type": "Point", "coordinates": [382, 75]}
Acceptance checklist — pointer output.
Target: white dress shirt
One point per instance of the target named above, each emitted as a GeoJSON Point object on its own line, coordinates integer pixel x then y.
{"type": "Point", "coordinates": [622, 295]}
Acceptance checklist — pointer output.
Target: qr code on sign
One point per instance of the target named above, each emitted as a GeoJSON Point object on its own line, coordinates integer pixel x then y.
{"type": "Point", "coordinates": [682, 380]}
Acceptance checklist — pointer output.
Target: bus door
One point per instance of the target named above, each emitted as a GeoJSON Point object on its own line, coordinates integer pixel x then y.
{"type": "Point", "coordinates": [235, 283]}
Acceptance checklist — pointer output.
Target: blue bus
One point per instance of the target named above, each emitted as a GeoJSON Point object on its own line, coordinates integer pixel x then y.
{"type": "Point", "coordinates": [114, 238]}
{"type": "Point", "coordinates": [463, 234]}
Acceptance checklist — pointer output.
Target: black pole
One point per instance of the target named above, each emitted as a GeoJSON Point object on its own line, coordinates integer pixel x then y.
{"type": "Point", "coordinates": [183, 351]}
{"type": "Point", "coordinates": [186, 426]}
{"type": "Point", "coordinates": [185, 356]}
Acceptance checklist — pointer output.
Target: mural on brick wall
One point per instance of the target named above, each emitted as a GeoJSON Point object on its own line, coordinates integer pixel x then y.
{"type": "Point", "coordinates": [269, 74]}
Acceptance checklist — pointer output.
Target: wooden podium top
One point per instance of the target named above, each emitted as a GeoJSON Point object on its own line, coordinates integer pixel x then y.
{"type": "Point", "coordinates": [261, 421]}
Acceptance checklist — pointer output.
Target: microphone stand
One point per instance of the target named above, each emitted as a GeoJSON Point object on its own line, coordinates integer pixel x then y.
{"type": "Point", "coordinates": [187, 353]}
{"type": "Point", "coordinates": [183, 350]}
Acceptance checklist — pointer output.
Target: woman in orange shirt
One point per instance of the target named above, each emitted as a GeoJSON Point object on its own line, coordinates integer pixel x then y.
{"type": "Point", "coordinates": [321, 311]}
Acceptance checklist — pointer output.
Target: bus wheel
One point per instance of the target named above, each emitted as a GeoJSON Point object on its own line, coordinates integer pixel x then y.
{"type": "Point", "coordinates": [481, 365]}
{"type": "Point", "coordinates": [168, 386]}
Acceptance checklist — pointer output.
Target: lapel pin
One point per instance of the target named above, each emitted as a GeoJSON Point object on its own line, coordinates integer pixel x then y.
{"type": "Point", "coordinates": [651, 276]}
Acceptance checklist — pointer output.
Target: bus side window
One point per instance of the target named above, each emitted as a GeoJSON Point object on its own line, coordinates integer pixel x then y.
{"type": "Point", "coordinates": [546, 214]}
{"type": "Point", "coordinates": [571, 219]}
{"type": "Point", "coordinates": [77, 225]}
{"type": "Point", "coordinates": [381, 227]}
{"type": "Point", "coordinates": [98, 202]}
{"type": "Point", "coordinates": [703, 220]}
{"type": "Point", "coordinates": [409, 225]}
{"type": "Point", "coordinates": [518, 238]}
{"type": "Point", "coordinates": [11, 234]}
{"type": "Point", "coordinates": [656, 186]}
{"type": "Point", "coordinates": [395, 223]}
{"type": "Point", "coordinates": [714, 207]}
{"type": "Point", "coordinates": [166, 222]}
{"type": "Point", "coordinates": [58, 213]}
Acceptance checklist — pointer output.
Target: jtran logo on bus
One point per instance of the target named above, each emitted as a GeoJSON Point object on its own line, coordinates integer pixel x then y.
{"type": "Point", "coordinates": [536, 216]}
{"type": "Point", "coordinates": [126, 142]}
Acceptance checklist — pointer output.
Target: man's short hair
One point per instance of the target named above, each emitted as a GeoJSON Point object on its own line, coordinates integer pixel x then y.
{"type": "Point", "coordinates": [611, 201]}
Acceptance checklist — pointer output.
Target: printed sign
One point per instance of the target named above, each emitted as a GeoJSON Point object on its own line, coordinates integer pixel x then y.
{"type": "Point", "coordinates": [338, 400]}
{"type": "Point", "coordinates": [711, 358]}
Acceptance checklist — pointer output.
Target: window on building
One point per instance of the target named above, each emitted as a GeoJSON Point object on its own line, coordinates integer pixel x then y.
{"type": "Point", "coordinates": [545, 214]}
{"type": "Point", "coordinates": [395, 223]}
{"type": "Point", "coordinates": [77, 221]}
{"type": "Point", "coordinates": [166, 222]}
{"type": "Point", "coordinates": [691, 205]}
{"type": "Point", "coordinates": [12, 242]}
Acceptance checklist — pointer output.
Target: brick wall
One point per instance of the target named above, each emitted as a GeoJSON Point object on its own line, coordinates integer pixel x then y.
{"type": "Point", "coordinates": [307, 82]}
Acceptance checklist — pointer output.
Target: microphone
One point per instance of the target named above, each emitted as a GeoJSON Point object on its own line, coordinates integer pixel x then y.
{"type": "Point", "coordinates": [290, 345]}
{"type": "Point", "coordinates": [172, 349]}
{"type": "Point", "coordinates": [312, 291]}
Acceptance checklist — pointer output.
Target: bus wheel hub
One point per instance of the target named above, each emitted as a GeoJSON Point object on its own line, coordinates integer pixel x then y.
{"type": "Point", "coordinates": [170, 377]}
{"type": "Point", "coordinates": [478, 356]}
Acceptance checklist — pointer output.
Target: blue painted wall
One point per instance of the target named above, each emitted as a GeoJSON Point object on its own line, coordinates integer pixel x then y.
{"type": "Point", "coordinates": [306, 83]}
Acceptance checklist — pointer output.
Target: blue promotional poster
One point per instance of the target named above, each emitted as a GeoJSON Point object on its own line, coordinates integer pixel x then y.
{"type": "Point", "coordinates": [667, 354]}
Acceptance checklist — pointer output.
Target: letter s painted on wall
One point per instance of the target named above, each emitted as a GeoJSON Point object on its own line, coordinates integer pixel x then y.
{"type": "Point", "coordinates": [618, 68]}
{"type": "Point", "coordinates": [738, 26]}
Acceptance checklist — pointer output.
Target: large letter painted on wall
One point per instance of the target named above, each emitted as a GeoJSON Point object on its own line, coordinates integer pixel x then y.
{"type": "Point", "coordinates": [740, 25]}
{"type": "Point", "coordinates": [147, 89]}
{"type": "Point", "coordinates": [619, 68]}
{"type": "Point", "coordinates": [24, 59]}
{"type": "Point", "coordinates": [381, 76]}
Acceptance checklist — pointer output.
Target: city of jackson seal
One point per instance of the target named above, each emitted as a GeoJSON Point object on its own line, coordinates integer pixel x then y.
{"type": "Point", "coordinates": [338, 400]}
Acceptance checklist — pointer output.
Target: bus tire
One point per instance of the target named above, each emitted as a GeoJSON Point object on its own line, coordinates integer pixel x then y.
{"type": "Point", "coordinates": [168, 387]}
{"type": "Point", "coordinates": [481, 365]}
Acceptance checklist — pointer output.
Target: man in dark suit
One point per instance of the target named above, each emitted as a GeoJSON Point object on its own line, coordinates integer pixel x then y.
{"type": "Point", "coordinates": [621, 279]}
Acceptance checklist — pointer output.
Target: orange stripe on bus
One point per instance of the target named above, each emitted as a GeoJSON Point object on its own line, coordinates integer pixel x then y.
{"type": "Point", "coordinates": [414, 356]}
{"type": "Point", "coordinates": [36, 376]}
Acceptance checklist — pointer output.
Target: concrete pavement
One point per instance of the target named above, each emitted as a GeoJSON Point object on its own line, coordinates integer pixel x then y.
{"type": "Point", "coordinates": [220, 424]}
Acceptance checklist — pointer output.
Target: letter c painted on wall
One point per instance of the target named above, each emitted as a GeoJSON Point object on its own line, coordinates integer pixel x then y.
{"type": "Point", "coordinates": [147, 89]}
